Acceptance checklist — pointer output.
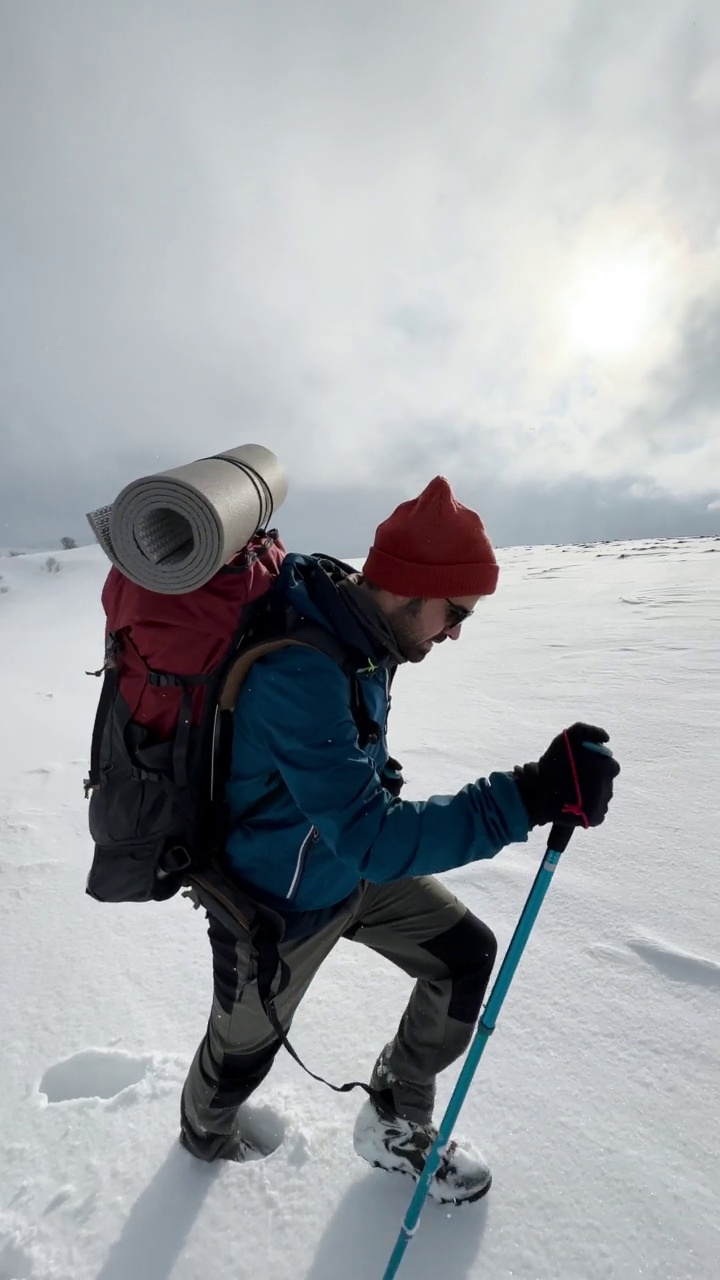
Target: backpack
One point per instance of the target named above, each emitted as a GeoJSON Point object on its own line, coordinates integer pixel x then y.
{"type": "Point", "coordinates": [174, 665]}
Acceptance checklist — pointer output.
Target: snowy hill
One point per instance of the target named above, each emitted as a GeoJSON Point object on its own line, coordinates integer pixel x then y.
{"type": "Point", "coordinates": [596, 1101]}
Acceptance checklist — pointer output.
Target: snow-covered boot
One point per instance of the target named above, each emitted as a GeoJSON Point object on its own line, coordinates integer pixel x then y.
{"type": "Point", "coordinates": [387, 1141]}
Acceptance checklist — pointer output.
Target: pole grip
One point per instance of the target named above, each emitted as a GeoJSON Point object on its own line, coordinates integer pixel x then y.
{"type": "Point", "coordinates": [559, 837]}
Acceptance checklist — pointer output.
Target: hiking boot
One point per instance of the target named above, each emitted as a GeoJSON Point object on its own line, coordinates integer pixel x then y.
{"type": "Point", "coordinates": [387, 1141]}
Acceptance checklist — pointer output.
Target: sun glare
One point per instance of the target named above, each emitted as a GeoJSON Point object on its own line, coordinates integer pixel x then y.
{"type": "Point", "coordinates": [608, 309]}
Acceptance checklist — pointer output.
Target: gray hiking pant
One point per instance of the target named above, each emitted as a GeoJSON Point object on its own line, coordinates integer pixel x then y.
{"type": "Point", "coordinates": [420, 926]}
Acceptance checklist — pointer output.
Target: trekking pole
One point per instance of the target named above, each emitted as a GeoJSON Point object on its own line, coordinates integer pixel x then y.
{"type": "Point", "coordinates": [557, 843]}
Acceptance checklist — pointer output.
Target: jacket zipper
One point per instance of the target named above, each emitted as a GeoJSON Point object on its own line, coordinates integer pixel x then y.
{"type": "Point", "coordinates": [303, 851]}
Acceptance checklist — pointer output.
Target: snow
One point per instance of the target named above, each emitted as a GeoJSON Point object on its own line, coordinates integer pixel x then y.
{"type": "Point", "coordinates": [596, 1100]}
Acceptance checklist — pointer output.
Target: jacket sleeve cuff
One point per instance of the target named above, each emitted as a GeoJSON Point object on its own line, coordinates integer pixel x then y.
{"type": "Point", "coordinates": [527, 782]}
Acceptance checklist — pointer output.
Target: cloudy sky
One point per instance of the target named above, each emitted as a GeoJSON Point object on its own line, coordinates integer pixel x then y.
{"type": "Point", "coordinates": [385, 238]}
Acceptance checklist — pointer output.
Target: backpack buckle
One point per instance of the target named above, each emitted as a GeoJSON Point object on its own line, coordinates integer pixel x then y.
{"type": "Point", "coordinates": [144, 775]}
{"type": "Point", "coordinates": [163, 679]}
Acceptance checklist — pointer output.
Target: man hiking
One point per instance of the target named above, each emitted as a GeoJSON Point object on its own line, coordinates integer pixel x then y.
{"type": "Point", "coordinates": [319, 836]}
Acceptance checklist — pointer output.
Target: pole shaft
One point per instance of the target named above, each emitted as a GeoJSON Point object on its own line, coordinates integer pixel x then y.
{"type": "Point", "coordinates": [485, 1027]}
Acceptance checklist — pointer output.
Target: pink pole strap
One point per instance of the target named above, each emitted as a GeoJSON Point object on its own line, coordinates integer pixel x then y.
{"type": "Point", "coordinates": [577, 808]}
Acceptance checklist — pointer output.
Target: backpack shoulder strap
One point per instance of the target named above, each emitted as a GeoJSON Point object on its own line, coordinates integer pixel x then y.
{"type": "Point", "coordinates": [313, 637]}
{"type": "Point", "coordinates": [239, 669]}
{"type": "Point", "coordinates": [324, 641]}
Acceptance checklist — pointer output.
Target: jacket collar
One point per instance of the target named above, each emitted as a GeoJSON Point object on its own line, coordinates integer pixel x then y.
{"type": "Point", "coordinates": [321, 588]}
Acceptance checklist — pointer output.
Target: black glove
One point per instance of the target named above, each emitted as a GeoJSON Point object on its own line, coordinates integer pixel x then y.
{"type": "Point", "coordinates": [572, 784]}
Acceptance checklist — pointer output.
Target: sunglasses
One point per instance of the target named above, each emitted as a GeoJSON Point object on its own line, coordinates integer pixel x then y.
{"type": "Point", "coordinates": [457, 613]}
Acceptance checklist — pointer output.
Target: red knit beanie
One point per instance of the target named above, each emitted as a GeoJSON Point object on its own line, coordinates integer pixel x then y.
{"type": "Point", "coordinates": [432, 547]}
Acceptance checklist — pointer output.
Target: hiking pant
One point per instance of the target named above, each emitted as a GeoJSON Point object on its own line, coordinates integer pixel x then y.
{"type": "Point", "coordinates": [419, 925]}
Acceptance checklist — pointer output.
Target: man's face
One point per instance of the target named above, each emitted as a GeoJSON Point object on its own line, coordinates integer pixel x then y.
{"type": "Point", "coordinates": [420, 624]}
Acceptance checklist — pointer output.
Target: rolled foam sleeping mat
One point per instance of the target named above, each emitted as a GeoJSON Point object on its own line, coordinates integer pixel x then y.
{"type": "Point", "coordinates": [171, 532]}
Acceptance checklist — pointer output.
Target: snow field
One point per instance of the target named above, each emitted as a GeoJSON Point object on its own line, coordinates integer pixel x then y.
{"type": "Point", "coordinates": [596, 1099]}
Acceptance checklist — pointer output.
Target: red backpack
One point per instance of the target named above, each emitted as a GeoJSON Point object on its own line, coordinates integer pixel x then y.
{"type": "Point", "coordinates": [174, 665]}
{"type": "Point", "coordinates": [154, 782]}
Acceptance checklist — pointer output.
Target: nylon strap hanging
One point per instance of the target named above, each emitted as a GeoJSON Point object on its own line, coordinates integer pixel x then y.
{"type": "Point", "coordinates": [272, 979]}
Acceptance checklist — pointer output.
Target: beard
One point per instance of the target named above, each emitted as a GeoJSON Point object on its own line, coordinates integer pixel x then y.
{"type": "Point", "coordinates": [412, 644]}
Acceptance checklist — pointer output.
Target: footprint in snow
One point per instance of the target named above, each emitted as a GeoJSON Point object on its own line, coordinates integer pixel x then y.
{"type": "Point", "coordinates": [265, 1130]}
{"type": "Point", "coordinates": [94, 1073]}
{"type": "Point", "coordinates": [672, 962]}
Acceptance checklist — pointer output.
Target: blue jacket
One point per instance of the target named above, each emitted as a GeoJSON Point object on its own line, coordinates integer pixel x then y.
{"type": "Point", "coordinates": [310, 818]}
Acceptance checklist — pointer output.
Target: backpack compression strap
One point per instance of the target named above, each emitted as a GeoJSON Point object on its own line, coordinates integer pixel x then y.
{"type": "Point", "coordinates": [240, 915]}
{"type": "Point", "coordinates": [267, 976]}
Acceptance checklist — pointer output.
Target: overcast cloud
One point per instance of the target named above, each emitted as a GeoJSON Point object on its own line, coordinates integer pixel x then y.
{"type": "Point", "coordinates": [385, 238]}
